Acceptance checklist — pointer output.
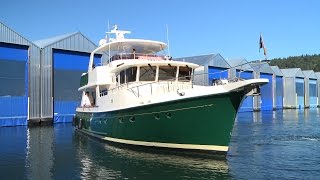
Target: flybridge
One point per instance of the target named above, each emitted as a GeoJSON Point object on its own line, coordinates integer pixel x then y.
{"type": "Point", "coordinates": [120, 48]}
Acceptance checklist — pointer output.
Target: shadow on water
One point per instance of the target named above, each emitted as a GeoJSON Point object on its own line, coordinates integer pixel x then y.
{"type": "Point", "coordinates": [13, 143]}
{"type": "Point", "coordinates": [102, 159]}
{"type": "Point", "coordinates": [61, 153]}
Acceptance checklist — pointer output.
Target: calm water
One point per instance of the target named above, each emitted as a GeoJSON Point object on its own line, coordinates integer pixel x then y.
{"type": "Point", "coordinates": [268, 145]}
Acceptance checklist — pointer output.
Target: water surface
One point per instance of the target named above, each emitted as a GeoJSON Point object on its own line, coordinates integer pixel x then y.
{"type": "Point", "coordinates": [264, 145]}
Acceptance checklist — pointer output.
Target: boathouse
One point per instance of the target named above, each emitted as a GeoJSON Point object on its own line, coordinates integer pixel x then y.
{"type": "Point", "coordinates": [277, 88]}
{"type": "Point", "coordinates": [318, 87]}
{"type": "Point", "coordinates": [241, 68]}
{"type": "Point", "coordinates": [212, 66]}
{"type": "Point", "coordinates": [19, 78]}
{"type": "Point", "coordinates": [310, 86]}
{"type": "Point", "coordinates": [264, 101]}
{"type": "Point", "coordinates": [293, 88]}
{"type": "Point", "coordinates": [63, 60]}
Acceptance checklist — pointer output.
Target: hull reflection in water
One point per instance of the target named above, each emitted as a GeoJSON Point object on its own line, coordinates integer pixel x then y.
{"type": "Point", "coordinates": [102, 160]}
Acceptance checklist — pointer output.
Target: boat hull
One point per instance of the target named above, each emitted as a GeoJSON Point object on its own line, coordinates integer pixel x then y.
{"type": "Point", "coordinates": [200, 123]}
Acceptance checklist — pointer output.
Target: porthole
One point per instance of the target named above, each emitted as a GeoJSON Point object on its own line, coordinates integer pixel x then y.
{"type": "Point", "coordinates": [168, 115]}
{"type": "Point", "coordinates": [157, 116]}
{"type": "Point", "coordinates": [132, 119]}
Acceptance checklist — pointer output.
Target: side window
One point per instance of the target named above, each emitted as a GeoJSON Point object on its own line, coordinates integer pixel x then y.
{"type": "Point", "coordinates": [167, 73]}
{"type": "Point", "coordinates": [147, 73]}
{"type": "Point", "coordinates": [184, 73]}
{"type": "Point", "coordinates": [131, 74]}
{"type": "Point", "coordinates": [122, 77]}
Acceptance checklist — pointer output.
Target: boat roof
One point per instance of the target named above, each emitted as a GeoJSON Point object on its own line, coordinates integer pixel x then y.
{"type": "Point", "coordinates": [140, 45]}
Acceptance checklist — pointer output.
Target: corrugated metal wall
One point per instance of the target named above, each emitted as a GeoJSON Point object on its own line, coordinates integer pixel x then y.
{"type": "Point", "coordinates": [200, 77]}
{"type": "Point", "coordinates": [306, 92]}
{"type": "Point", "coordinates": [289, 93]}
{"type": "Point", "coordinates": [7, 35]}
{"type": "Point", "coordinates": [318, 88]}
{"type": "Point", "coordinates": [278, 92]}
{"type": "Point", "coordinates": [293, 88]}
{"type": "Point", "coordinates": [76, 42]}
{"type": "Point", "coordinates": [310, 87]}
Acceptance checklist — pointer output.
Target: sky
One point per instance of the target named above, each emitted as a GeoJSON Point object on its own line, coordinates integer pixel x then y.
{"type": "Point", "coordinates": [229, 27]}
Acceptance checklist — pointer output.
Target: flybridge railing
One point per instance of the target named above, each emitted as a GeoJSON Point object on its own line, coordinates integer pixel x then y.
{"type": "Point", "coordinates": [141, 56]}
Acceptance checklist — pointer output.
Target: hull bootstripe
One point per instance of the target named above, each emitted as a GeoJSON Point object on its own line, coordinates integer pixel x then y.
{"type": "Point", "coordinates": [168, 145]}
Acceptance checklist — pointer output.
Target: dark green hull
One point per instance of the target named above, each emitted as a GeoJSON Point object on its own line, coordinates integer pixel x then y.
{"type": "Point", "coordinates": [206, 121]}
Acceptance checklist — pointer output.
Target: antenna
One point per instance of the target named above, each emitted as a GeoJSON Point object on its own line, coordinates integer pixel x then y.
{"type": "Point", "coordinates": [168, 40]}
{"type": "Point", "coordinates": [109, 40]}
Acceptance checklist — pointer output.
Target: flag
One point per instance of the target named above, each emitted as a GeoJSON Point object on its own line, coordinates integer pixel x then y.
{"type": "Point", "coordinates": [261, 45]}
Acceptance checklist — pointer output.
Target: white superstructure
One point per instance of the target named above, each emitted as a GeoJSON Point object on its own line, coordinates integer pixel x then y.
{"type": "Point", "coordinates": [137, 73]}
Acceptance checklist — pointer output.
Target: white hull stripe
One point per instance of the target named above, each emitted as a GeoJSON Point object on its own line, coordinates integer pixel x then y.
{"type": "Point", "coordinates": [157, 144]}
{"type": "Point", "coordinates": [168, 145]}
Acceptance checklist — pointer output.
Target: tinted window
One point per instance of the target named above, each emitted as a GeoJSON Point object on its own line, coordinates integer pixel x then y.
{"type": "Point", "coordinates": [131, 74]}
{"type": "Point", "coordinates": [147, 73]}
{"type": "Point", "coordinates": [122, 77]}
{"type": "Point", "coordinates": [167, 72]}
{"type": "Point", "coordinates": [185, 73]}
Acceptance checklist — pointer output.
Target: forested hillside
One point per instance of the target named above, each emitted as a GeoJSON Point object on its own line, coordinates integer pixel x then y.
{"type": "Point", "coordinates": [305, 62]}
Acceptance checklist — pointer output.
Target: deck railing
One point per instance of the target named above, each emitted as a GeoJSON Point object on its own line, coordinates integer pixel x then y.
{"type": "Point", "coordinates": [170, 85]}
{"type": "Point", "coordinates": [141, 56]}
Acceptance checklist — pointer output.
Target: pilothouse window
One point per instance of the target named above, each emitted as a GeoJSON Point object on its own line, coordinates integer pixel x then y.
{"type": "Point", "coordinates": [184, 73]}
{"type": "Point", "coordinates": [128, 75]}
{"type": "Point", "coordinates": [131, 74]}
{"type": "Point", "coordinates": [167, 73]}
{"type": "Point", "coordinates": [147, 73]}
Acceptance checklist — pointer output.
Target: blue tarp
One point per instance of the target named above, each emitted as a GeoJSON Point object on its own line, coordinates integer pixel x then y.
{"type": "Point", "coordinates": [14, 110]}
{"type": "Point", "coordinates": [300, 92]}
{"type": "Point", "coordinates": [313, 93]}
{"type": "Point", "coordinates": [266, 93]}
{"type": "Point", "coordinates": [13, 52]}
{"type": "Point", "coordinates": [64, 111]}
{"type": "Point", "coordinates": [14, 77]}
{"type": "Point", "coordinates": [247, 103]}
{"type": "Point", "coordinates": [217, 73]}
{"type": "Point", "coordinates": [68, 67]}
{"type": "Point", "coordinates": [66, 60]}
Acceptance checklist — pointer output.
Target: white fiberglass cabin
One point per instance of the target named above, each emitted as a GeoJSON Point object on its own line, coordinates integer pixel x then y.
{"type": "Point", "coordinates": [135, 71]}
